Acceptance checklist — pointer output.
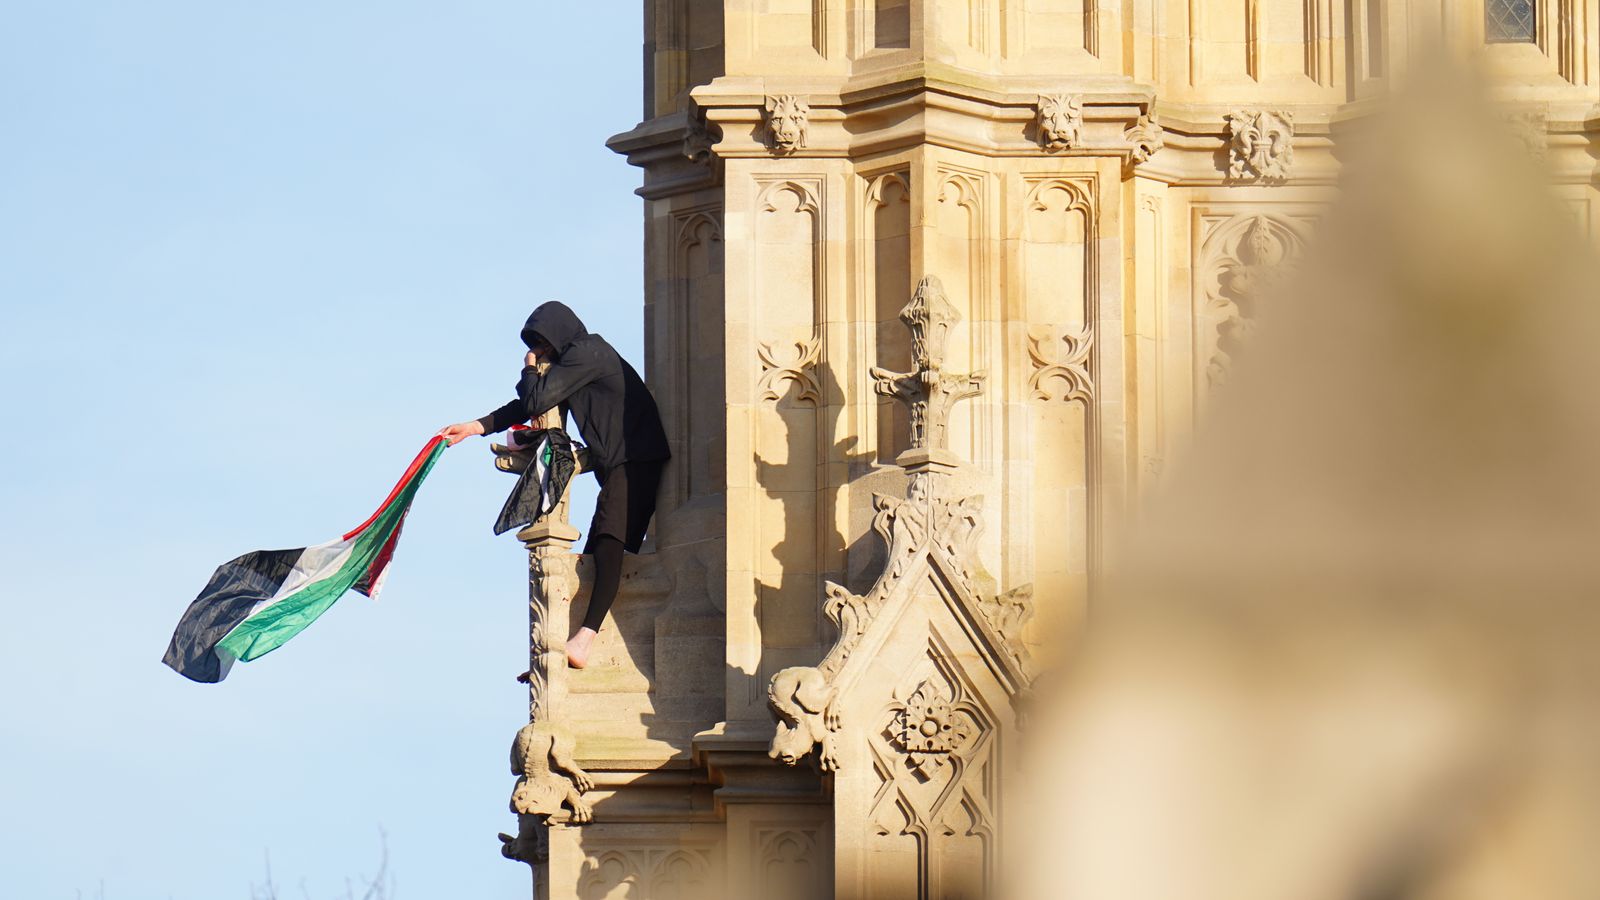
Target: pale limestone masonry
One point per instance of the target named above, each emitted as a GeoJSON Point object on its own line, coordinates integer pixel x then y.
{"type": "Point", "coordinates": [1088, 199]}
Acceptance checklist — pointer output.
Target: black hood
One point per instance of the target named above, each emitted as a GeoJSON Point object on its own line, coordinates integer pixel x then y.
{"type": "Point", "coordinates": [556, 323]}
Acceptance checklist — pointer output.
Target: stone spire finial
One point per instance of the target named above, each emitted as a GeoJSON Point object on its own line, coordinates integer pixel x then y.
{"type": "Point", "coordinates": [928, 390]}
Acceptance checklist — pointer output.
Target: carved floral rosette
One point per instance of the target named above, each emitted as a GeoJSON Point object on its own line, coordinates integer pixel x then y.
{"type": "Point", "coordinates": [931, 760]}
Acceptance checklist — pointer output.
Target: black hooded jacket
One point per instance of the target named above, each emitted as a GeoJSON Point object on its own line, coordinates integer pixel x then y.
{"type": "Point", "coordinates": [614, 411]}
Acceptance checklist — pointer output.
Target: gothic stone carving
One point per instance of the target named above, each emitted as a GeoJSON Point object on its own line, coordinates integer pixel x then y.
{"type": "Point", "coordinates": [926, 729]}
{"type": "Point", "coordinates": [907, 525]}
{"type": "Point", "coordinates": [1060, 119]}
{"type": "Point", "coordinates": [1061, 359]}
{"type": "Point", "coordinates": [1009, 613]}
{"type": "Point", "coordinates": [924, 528]}
{"type": "Point", "coordinates": [790, 863]}
{"type": "Point", "coordinates": [1144, 137]}
{"type": "Point", "coordinates": [803, 701]}
{"type": "Point", "coordinates": [548, 571]}
{"type": "Point", "coordinates": [930, 758]}
{"type": "Point", "coordinates": [657, 873]}
{"type": "Point", "coordinates": [1243, 260]}
{"type": "Point", "coordinates": [787, 117]}
{"type": "Point", "coordinates": [698, 137]}
{"type": "Point", "coordinates": [540, 755]}
{"type": "Point", "coordinates": [531, 845]}
{"type": "Point", "coordinates": [775, 370]}
{"type": "Point", "coordinates": [929, 391]}
{"type": "Point", "coordinates": [1260, 144]}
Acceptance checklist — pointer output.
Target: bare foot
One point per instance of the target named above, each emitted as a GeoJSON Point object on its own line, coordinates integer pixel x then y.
{"type": "Point", "coordinates": [578, 648]}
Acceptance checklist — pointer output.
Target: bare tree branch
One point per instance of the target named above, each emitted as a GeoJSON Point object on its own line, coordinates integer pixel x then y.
{"type": "Point", "coordinates": [379, 887]}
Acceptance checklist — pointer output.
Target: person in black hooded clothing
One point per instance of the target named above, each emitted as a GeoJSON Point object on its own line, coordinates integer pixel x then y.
{"type": "Point", "coordinates": [569, 368]}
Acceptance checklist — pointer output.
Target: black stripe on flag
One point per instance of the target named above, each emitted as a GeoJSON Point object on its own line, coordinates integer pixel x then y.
{"type": "Point", "coordinates": [234, 590]}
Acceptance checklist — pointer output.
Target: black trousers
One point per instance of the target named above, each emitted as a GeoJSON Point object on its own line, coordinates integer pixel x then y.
{"type": "Point", "coordinates": [627, 502]}
{"type": "Point", "coordinates": [621, 515]}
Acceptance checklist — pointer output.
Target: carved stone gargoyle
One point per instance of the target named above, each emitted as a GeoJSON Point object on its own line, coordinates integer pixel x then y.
{"type": "Point", "coordinates": [531, 845]}
{"type": "Point", "coordinates": [548, 779]}
{"type": "Point", "coordinates": [539, 751]}
{"type": "Point", "coordinates": [803, 701]}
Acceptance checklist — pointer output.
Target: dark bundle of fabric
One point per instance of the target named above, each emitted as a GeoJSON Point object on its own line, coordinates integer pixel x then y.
{"type": "Point", "coordinates": [554, 459]}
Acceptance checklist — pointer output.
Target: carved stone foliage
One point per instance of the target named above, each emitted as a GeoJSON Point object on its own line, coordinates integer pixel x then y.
{"type": "Point", "coordinates": [787, 119]}
{"type": "Point", "coordinates": [1144, 137]}
{"type": "Point", "coordinates": [777, 368]}
{"type": "Point", "coordinates": [931, 757]}
{"type": "Point", "coordinates": [1260, 144]}
{"type": "Point", "coordinates": [659, 873]}
{"type": "Point", "coordinates": [698, 138]}
{"type": "Point", "coordinates": [1243, 259]}
{"type": "Point", "coordinates": [927, 729]}
{"type": "Point", "coordinates": [1061, 363]}
{"type": "Point", "coordinates": [928, 534]}
{"type": "Point", "coordinates": [910, 528]}
{"type": "Point", "coordinates": [1060, 120]}
{"type": "Point", "coordinates": [928, 391]}
{"type": "Point", "coordinates": [1009, 613]}
{"type": "Point", "coordinates": [551, 573]}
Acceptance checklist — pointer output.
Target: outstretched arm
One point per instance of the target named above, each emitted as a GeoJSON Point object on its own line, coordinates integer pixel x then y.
{"type": "Point", "coordinates": [499, 420]}
{"type": "Point", "coordinates": [512, 413]}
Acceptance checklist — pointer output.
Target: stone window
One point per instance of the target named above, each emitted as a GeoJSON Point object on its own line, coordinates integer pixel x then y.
{"type": "Point", "coordinates": [1508, 21]}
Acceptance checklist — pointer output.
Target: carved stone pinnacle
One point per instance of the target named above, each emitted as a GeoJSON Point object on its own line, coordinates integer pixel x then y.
{"type": "Point", "coordinates": [928, 390]}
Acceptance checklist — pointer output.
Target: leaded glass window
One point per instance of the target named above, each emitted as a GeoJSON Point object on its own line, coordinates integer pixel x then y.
{"type": "Point", "coordinates": [1508, 21]}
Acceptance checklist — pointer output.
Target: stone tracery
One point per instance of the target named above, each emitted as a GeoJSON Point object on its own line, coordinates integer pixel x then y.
{"type": "Point", "coordinates": [1244, 259]}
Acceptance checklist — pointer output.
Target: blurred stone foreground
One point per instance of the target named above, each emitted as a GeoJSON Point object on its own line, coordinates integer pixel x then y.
{"type": "Point", "coordinates": [1350, 650]}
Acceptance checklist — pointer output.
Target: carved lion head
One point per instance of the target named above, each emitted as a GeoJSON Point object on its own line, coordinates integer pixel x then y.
{"type": "Point", "coordinates": [1060, 118]}
{"type": "Point", "coordinates": [786, 121]}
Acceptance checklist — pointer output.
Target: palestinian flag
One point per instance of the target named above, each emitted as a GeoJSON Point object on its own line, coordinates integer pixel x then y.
{"type": "Point", "coordinates": [551, 461]}
{"type": "Point", "coordinates": [255, 603]}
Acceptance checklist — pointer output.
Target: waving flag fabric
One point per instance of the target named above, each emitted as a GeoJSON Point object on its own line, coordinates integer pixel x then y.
{"type": "Point", "coordinates": [552, 460]}
{"type": "Point", "coordinates": [255, 603]}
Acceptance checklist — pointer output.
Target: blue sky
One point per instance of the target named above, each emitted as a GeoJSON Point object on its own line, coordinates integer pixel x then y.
{"type": "Point", "coordinates": [251, 256]}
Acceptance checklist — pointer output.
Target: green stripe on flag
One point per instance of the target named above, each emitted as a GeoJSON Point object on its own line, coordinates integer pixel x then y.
{"type": "Point", "coordinates": [270, 628]}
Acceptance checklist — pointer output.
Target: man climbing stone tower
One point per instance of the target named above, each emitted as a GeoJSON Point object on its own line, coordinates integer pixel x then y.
{"type": "Point", "coordinates": [932, 289]}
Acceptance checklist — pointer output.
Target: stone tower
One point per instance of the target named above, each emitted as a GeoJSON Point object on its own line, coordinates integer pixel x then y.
{"type": "Point", "coordinates": [933, 288]}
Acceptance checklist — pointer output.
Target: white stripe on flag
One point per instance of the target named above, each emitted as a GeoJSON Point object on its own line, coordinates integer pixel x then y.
{"type": "Point", "coordinates": [314, 564]}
